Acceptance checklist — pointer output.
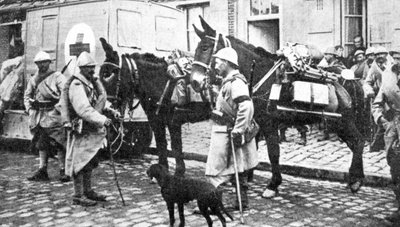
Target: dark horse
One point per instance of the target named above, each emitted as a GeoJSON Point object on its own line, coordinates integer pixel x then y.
{"type": "Point", "coordinates": [145, 76]}
{"type": "Point", "coordinates": [265, 109]}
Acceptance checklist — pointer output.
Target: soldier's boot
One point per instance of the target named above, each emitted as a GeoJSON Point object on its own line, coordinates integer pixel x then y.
{"type": "Point", "coordinates": [303, 138]}
{"type": "Point", "coordinates": [40, 175]}
{"type": "Point", "coordinates": [243, 187]}
{"type": "Point", "coordinates": [61, 164]}
{"type": "Point", "coordinates": [79, 198]}
{"type": "Point", "coordinates": [87, 188]}
{"type": "Point", "coordinates": [250, 175]}
{"type": "Point", "coordinates": [244, 198]}
{"type": "Point", "coordinates": [63, 176]}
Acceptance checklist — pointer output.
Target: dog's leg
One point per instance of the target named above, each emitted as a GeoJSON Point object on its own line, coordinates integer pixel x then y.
{"type": "Point", "coordinates": [181, 214]}
{"type": "Point", "coordinates": [217, 212]}
{"type": "Point", "coordinates": [203, 207]}
{"type": "Point", "coordinates": [170, 206]}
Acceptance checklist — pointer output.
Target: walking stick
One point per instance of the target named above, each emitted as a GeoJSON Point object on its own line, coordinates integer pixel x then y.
{"type": "Point", "coordinates": [113, 165]}
{"type": "Point", "coordinates": [237, 180]}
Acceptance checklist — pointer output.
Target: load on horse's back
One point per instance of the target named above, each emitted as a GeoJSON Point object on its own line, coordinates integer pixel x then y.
{"type": "Point", "coordinates": [153, 81]}
{"type": "Point", "coordinates": [267, 113]}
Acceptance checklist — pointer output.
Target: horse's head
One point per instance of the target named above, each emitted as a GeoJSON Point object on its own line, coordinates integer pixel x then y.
{"type": "Point", "coordinates": [210, 43]}
{"type": "Point", "coordinates": [109, 70]}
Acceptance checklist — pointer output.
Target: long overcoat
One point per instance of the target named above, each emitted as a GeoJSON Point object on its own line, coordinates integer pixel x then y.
{"type": "Point", "coordinates": [87, 100]}
{"type": "Point", "coordinates": [220, 161]}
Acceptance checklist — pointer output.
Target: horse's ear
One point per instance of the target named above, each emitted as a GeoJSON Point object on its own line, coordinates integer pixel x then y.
{"type": "Point", "coordinates": [199, 33]}
{"type": "Point", "coordinates": [207, 28]}
{"type": "Point", "coordinates": [107, 47]}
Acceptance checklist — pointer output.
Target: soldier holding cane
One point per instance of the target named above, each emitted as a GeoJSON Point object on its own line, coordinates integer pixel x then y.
{"type": "Point", "coordinates": [85, 101]}
{"type": "Point", "coordinates": [231, 120]}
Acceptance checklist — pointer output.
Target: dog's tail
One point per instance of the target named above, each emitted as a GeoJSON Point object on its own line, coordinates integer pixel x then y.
{"type": "Point", "coordinates": [221, 205]}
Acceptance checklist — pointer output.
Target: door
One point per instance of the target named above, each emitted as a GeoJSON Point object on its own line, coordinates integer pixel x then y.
{"type": "Point", "coordinates": [265, 34]}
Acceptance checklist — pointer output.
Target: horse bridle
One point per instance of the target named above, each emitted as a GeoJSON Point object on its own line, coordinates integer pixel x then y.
{"type": "Point", "coordinates": [227, 43]}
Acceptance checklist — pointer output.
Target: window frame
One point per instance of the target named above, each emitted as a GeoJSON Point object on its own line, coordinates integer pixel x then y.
{"type": "Point", "coordinates": [139, 44]}
{"type": "Point", "coordinates": [344, 32]}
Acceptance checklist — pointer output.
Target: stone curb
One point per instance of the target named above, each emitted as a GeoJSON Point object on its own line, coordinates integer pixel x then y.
{"type": "Point", "coordinates": [297, 170]}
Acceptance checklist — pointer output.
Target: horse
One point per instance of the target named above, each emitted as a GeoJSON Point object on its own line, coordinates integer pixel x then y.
{"type": "Point", "coordinates": [266, 114]}
{"type": "Point", "coordinates": [144, 75]}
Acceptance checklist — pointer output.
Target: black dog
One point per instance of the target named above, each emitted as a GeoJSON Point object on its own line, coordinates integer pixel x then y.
{"type": "Point", "coordinates": [181, 190]}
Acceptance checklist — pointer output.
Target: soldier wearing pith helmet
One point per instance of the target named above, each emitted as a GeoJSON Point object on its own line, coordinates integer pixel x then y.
{"type": "Point", "coordinates": [236, 107]}
{"type": "Point", "coordinates": [87, 102]}
{"type": "Point", "coordinates": [41, 100]}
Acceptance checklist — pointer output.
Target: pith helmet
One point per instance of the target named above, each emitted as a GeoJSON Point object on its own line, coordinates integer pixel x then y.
{"type": "Point", "coordinates": [370, 50]}
{"type": "Point", "coordinates": [330, 50]}
{"type": "Point", "coordinates": [348, 74]}
{"type": "Point", "coordinates": [381, 50]}
{"type": "Point", "coordinates": [42, 56]}
{"type": "Point", "coordinates": [358, 52]}
{"type": "Point", "coordinates": [228, 54]}
{"type": "Point", "coordinates": [395, 50]}
{"type": "Point", "coordinates": [85, 59]}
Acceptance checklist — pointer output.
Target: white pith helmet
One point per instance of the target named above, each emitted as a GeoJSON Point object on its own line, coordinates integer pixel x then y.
{"type": "Point", "coordinates": [348, 74]}
{"type": "Point", "coordinates": [381, 50]}
{"type": "Point", "coordinates": [370, 50]}
{"type": "Point", "coordinates": [228, 54]}
{"type": "Point", "coordinates": [42, 56]}
{"type": "Point", "coordinates": [85, 59]}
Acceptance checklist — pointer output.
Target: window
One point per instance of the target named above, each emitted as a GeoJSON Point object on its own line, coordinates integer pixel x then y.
{"type": "Point", "coordinates": [354, 20]}
{"type": "Point", "coordinates": [264, 7]}
{"type": "Point", "coordinates": [49, 31]}
{"type": "Point", "coordinates": [193, 13]}
{"type": "Point", "coordinates": [128, 28]}
{"type": "Point", "coordinates": [165, 33]}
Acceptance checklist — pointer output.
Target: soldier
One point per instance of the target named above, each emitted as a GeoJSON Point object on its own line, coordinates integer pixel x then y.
{"type": "Point", "coordinates": [389, 96]}
{"type": "Point", "coordinates": [371, 87]}
{"type": "Point", "coordinates": [330, 62]}
{"type": "Point", "coordinates": [40, 99]}
{"type": "Point", "coordinates": [237, 110]}
{"type": "Point", "coordinates": [87, 99]}
{"type": "Point", "coordinates": [358, 44]}
{"type": "Point", "coordinates": [359, 67]}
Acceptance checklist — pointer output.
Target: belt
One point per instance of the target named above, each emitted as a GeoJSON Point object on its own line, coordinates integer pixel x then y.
{"type": "Point", "coordinates": [44, 105]}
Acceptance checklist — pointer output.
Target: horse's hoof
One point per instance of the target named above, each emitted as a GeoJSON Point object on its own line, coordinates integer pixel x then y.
{"type": "Point", "coordinates": [355, 186]}
{"type": "Point", "coordinates": [268, 193]}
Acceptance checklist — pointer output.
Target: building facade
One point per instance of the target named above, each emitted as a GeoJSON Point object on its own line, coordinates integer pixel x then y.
{"type": "Point", "coordinates": [322, 23]}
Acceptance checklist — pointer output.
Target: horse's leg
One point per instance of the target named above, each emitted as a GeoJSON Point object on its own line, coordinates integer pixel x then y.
{"type": "Point", "coordinates": [175, 131]}
{"type": "Point", "coordinates": [270, 131]}
{"type": "Point", "coordinates": [158, 127]}
{"type": "Point", "coordinates": [347, 131]}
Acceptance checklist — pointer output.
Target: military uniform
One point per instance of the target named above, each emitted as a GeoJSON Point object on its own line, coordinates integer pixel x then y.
{"type": "Point", "coordinates": [389, 97]}
{"type": "Point", "coordinates": [41, 100]}
{"type": "Point", "coordinates": [86, 103]}
{"type": "Point", "coordinates": [234, 102]}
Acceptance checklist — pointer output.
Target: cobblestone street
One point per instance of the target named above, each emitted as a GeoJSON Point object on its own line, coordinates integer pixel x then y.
{"type": "Point", "coordinates": [302, 202]}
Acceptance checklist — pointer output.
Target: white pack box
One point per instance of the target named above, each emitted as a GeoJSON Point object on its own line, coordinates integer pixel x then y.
{"type": "Point", "coordinates": [312, 93]}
